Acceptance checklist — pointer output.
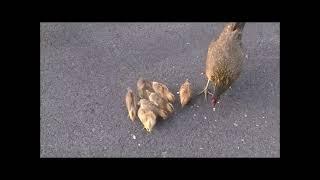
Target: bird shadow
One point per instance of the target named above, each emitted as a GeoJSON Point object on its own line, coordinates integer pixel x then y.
{"type": "Point", "coordinates": [251, 89]}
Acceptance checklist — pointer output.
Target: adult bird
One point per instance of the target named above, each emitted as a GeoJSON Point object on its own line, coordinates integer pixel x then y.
{"type": "Point", "coordinates": [224, 60]}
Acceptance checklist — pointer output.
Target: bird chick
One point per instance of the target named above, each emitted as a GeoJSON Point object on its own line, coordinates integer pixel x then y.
{"type": "Point", "coordinates": [144, 103]}
{"type": "Point", "coordinates": [131, 104]}
{"type": "Point", "coordinates": [163, 91]}
{"type": "Point", "coordinates": [159, 101]}
{"type": "Point", "coordinates": [142, 86]}
{"type": "Point", "coordinates": [224, 60]}
{"type": "Point", "coordinates": [185, 93]}
{"type": "Point", "coordinates": [147, 118]}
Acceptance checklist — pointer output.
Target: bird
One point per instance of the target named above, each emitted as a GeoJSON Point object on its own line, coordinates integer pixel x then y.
{"type": "Point", "coordinates": [153, 86]}
{"type": "Point", "coordinates": [131, 104]}
{"type": "Point", "coordinates": [147, 118]}
{"type": "Point", "coordinates": [159, 101]}
{"type": "Point", "coordinates": [144, 103]}
{"type": "Point", "coordinates": [163, 91]}
{"type": "Point", "coordinates": [185, 93]}
{"type": "Point", "coordinates": [142, 86]}
{"type": "Point", "coordinates": [224, 60]}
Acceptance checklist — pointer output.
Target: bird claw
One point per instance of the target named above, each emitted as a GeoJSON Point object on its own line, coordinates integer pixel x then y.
{"type": "Point", "coordinates": [206, 91]}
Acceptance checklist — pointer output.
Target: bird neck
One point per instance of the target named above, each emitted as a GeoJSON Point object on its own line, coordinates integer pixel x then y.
{"type": "Point", "coordinates": [218, 91]}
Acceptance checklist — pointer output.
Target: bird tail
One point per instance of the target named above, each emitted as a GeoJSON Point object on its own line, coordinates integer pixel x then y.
{"type": "Point", "coordinates": [239, 26]}
{"type": "Point", "coordinates": [170, 97]}
{"type": "Point", "coordinates": [170, 107]}
{"type": "Point", "coordinates": [163, 114]}
{"type": "Point", "coordinates": [132, 114]}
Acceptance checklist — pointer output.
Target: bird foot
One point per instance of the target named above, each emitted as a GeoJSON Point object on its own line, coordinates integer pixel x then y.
{"type": "Point", "coordinates": [205, 91]}
{"type": "Point", "coordinates": [210, 93]}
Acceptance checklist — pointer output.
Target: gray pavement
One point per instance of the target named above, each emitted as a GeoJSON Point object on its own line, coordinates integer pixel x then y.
{"type": "Point", "coordinates": [86, 69]}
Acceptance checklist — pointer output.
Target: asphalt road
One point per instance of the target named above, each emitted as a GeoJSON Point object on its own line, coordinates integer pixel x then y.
{"type": "Point", "coordinates": [86, 69]}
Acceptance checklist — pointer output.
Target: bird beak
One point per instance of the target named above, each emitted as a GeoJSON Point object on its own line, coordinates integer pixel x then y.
{"type": "Point", "coordinates": [214, 101]}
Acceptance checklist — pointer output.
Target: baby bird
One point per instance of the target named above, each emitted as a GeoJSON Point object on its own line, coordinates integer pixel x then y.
{"type": "Point", "coordinates": [144, 103]}
{"type": "Point", "coordinates": [131, 104]}
{"type": "Point", "coordinates": [147, 117]}
{"type": "Point", "coordinates": [185, 93]}
{"type": "Point", "coordinates": [162, 103]}
{"type": "Point", "coordinates": [163, 91]}
{"type": "Point", "coordinates": [142, 86]}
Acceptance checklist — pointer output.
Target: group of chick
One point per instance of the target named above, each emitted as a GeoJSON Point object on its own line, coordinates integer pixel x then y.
{"type": "Point", "coordinates": [155, 101]}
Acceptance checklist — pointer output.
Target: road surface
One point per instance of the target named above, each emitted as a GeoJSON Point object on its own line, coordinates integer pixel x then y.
{"type": "Point", "coordinates": [86, 69]}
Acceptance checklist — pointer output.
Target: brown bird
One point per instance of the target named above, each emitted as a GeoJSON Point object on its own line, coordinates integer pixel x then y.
{"type": "Point", "coordinates": [152, 86]}
{"type": "Point", "coordinates": [131, 104]}
{"type": "Point", "coordinates": [147, 118]}
{"type": "Point", "coordinates": [162, 103]}
{"type": "Point", "coordinates": [185, 93]}
{"type": "Point", "coordinates": [144, 103]}
{"type": "Point", "coordinates": [224, 60]}
{"type": "Point", "coordinates": [142, 86]}
{"type": "Point", "coordinates": [163, 91]}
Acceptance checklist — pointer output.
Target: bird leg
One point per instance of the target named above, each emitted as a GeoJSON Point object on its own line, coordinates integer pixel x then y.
{"type": "Point", "coordinates": [210, 93]}
{"type": "Point", "coordinates": [205, 91]}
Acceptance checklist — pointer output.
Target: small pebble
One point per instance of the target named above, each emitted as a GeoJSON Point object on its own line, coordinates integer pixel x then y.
{"type": "Point", "coordinates": [262, 117]}
{"type": "Point", "coordinates": [257, 125]}
{"type": "Point", "coordinates": [187, 43]}
{"type": "Point", "coordinates": [194, 115]}
{"type": "Point", "coordinates": [164, 154]}
{"type": "Point", "coordinates": [242, 140]}
{"type": "Point", "coordinates": [214, 109]}
{"type": "Point", "coordinates": [133, 136]}
{"type": "Point", "coordinates": [215, 120]}
{"type": "Point", "coordinates": [200, 148]}
{"type": "Point", "coordinates": [238, 147]}
{"type": "Point", "coordinates": [202, 73]}
{"type": "Point", "coordinates": [138, 144]}
{"type": "Point", "coordinates": [198, 106]}
{"type": "Point", "coordinates": [93, 129]}
{"type": "Point", "coordinates": [205, 117]}
{"type": "Point", "coordinates": [245, 115]}
{"type": "Point", "coordinates": [235, 124]}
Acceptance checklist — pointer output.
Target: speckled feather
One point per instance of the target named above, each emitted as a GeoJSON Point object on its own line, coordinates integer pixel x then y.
{"type": "Point", "coordinates": [225, 58]}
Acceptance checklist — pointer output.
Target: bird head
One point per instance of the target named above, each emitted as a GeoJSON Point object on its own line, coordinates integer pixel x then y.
{"type": "Point", "coordinates": [237, 26]}
{"type": "Point", "coordinates": [214, 101]}
{"type": "Point", "coordinates": [218, 91]}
